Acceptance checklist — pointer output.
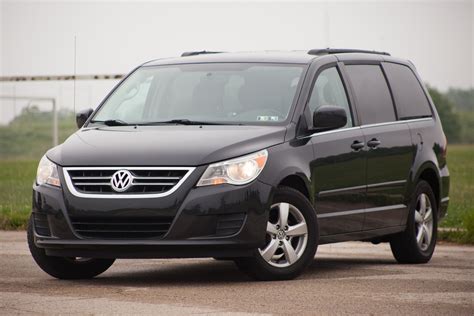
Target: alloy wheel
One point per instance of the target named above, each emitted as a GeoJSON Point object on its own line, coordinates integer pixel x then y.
{"type": "Point", "coordinates": [287, 236]}
{"type": "Point", "coordinates": [423, 222]}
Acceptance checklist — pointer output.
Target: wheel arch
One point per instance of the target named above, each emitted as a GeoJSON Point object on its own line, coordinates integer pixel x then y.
{"type": "Point", "coordinates": [296, 179]}
{"type": "Point", "coordinates": [296, 182]}
{"type": "Point", "coordinates": [429, 173]}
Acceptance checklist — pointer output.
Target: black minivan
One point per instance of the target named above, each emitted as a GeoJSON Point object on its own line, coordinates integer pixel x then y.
{"type": "Point", "coordinates": [252, 157]}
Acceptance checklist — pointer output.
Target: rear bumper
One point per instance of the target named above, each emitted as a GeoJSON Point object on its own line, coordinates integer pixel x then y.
{"type": "Point", "coordinates": [193, 232]}
{"type": "Point", "coordinates": [444, 200]}
{"type": "Point", "coordinates": [443, 208]}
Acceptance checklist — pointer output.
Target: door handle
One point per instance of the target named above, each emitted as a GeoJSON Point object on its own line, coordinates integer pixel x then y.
{"type": "Point", "coordinates": [373, 143]}
{"type": "Point", "coordinates": [357, 145]}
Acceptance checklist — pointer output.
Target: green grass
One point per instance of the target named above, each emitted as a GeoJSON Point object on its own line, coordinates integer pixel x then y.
{"type": "Point", "coordinates": [463, 235]}
{"type": "Point", "coordinates": [17, 176]}
{"type": "Point", "coordinates": [461, 193]}
{"type": "Point", "coordinates": [29, 135]}
{"type": "Point", "coordinates": [22, 143]}
{"type": "Point", "coordinates": [16, 180]}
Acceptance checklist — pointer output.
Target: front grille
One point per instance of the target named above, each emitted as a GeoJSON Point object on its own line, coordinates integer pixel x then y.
{"type": "Point", "coordinates": [96, 181]}
{"type": "Point", "coordinates": [122, 227]}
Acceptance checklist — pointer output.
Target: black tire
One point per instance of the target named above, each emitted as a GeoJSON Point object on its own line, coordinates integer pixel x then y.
{"type": "Point", "coordinates": [65, 268]}
{"type": "Point", "coordinates": [259, 269]}
{"type": "Point", "coordinates": [405, 247]}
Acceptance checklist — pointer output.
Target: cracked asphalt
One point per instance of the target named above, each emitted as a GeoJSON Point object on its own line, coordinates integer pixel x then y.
{"type": "Point", "coordinates": [347, 278]}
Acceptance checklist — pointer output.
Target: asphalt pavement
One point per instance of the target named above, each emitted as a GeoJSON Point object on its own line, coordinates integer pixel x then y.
{"type": "Point", "coordinates": [347, 278]}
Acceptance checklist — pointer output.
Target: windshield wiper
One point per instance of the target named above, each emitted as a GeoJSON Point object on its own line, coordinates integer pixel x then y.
{"type": "Point", "coordinates": [186, 122]}
{"type": "Point", "coordinates": [174, 121]}
{"type": "Point", "coordinates": [113, 123]}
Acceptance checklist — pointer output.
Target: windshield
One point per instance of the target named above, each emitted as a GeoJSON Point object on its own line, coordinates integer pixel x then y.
{"type": "Point", "coordinates": [228, 93]}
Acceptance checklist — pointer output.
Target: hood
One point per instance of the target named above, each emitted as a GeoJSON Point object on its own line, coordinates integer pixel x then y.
{"type": "Point", "coordinates": [170, 145]}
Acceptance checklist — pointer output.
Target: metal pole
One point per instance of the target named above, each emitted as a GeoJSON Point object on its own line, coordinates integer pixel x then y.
{"type": "Point", "coordinates": [55, 123]}
{"type": "Point", "coordinates": [61, 77]}
{"type": "Point", "coordinates": [327, 31]}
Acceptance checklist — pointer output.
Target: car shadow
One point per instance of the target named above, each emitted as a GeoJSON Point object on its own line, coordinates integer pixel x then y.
{"type": "Point", "coordinates": [212, 272]}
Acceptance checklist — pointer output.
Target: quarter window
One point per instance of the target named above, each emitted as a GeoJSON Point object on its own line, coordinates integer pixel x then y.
{"type": "Point", "coordinates": [409, 97]}
{"type": "Point", "coordinates": [374, 102]}
{"type": "Point", "coordinates": [329, 90]}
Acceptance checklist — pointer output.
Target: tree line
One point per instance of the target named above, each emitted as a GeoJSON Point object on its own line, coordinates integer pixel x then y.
{"type": "Point", "coordinates": [456, 110]}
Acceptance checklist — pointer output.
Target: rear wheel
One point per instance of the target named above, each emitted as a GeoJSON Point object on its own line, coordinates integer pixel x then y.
{"type": "Point", "coordinates": [291, 239]}
{"type": "Point", "coordinates": [66, 267]}
{"type": "Point", "coordinates": [417, 243]}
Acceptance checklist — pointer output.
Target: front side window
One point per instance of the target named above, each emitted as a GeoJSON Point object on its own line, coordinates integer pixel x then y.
{"type": "Point", "coordinates": [230, 93]}
{"type": "Point", "coordinates": [374, 102]}
{"type": "Point", "coordinates": [329, 90]}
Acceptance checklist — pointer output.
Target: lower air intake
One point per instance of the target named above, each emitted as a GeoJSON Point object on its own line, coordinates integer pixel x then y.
{"type": "Point", "coordinates": [229, 224]}
{"type": "Point", "coordinates": [122, 227]}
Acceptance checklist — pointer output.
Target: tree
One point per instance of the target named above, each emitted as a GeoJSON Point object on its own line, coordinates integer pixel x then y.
{"type": "Point", "coordinates": [449, 118]}
{"type": "Point", "coordinates": [463, 99]}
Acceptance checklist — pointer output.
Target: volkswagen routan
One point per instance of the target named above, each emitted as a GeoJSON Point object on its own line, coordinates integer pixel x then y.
{"type": "Point", "coordinates": [252, 157]}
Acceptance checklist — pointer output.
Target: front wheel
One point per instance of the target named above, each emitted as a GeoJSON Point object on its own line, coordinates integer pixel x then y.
{"type": "Point", "coordinates": [291, 239]}
{"type": "Point", "coordinates": [66, 268]}
{"type": "Point", "coordinates": [417, 243]}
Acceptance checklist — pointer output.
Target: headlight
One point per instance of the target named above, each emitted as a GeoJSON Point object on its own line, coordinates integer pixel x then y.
{"type": "Point", "coordinates": [47, 173]}
{"type": "Point", "coordinates": [236, 171]}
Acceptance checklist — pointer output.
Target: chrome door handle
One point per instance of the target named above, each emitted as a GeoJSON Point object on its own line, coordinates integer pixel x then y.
{"type": "Point", "coordinates": [373, 143]}
{"type": "Point", "coordinates": [357, 145]}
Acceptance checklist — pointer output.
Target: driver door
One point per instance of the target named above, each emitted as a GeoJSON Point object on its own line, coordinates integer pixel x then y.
{"type": "Point", "coordinates": [339, 166]}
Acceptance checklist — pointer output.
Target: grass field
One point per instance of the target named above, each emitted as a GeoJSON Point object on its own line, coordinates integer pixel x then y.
{"type": "Point", "coordinates": [461, 205]}
{"type": "Point", "coordinates": [16, 178]}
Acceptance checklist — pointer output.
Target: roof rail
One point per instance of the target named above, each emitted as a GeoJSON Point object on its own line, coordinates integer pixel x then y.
{"type": "Point", "coordinates": [328, 51]}
{"type": "Point", "coordinates": [202, 52]}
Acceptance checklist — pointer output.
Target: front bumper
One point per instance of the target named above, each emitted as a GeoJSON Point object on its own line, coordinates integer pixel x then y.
{"type": "Point", "coordinates": [196, 212]}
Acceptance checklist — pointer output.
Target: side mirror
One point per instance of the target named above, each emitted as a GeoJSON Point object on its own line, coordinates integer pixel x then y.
{"type": "Point", "coordinates": [328, 117]}
{"type": "Point", "coordinates": [82, 116]}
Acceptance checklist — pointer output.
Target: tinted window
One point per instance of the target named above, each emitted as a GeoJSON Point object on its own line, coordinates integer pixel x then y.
{"type": "Point", "coordinates": [374, 102]}
{"type": "Point", "coordinates": [329, 90]}
{"type": "Point", "coordinates": [409, 97]}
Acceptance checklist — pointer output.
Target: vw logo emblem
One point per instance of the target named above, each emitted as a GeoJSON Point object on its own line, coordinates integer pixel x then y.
{"type": "Point", "coordinates": [121, 180]}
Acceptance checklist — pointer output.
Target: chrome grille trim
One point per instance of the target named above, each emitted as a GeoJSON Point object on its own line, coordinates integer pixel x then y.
{"type": "Point", "coordinates": [138, 180]}
{"type": "Point", "coordinates": [91, 178]}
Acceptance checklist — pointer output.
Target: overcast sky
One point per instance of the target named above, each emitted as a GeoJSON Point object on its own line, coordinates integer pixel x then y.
{"type": "Point", "coordinates": [37, 37]}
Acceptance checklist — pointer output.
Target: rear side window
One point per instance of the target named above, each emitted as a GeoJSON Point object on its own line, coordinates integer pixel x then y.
{"type": "Point", "coordinates": [409, 97]}
{"type": "Point", "coordinates": [374, 102]}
